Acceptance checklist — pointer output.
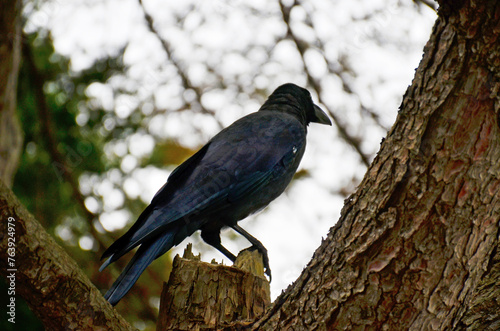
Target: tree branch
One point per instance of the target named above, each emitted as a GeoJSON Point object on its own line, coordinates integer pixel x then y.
{"type": "Point", "coordinates": [11, 137]}
{"type": "Point", "coordinates": [50, 281]}
{"type": "Point", "coordinates": [186, 82]}
{"type": "Point", "coordinates": [429, 3]}
{"type": "Point", "coordinates": [302, 48]}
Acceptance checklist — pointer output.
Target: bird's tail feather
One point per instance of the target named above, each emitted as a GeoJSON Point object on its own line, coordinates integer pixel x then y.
{"type": "Point", "coordinates": [142, 258]}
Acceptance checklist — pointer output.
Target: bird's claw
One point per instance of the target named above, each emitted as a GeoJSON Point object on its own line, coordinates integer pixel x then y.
{"type": "Point", "coordinates": [265, 259]}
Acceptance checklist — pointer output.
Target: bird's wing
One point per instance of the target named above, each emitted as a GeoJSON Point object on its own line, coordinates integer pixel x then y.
{"type": "Point", "coordinates": [252, 182]}
{"type": "Point", "coordinates": [182, 172]}
{"type": "Point", "coordinates": [237, 162]}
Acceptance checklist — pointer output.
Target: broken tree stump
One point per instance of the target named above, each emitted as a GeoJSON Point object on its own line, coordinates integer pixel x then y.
{"type": "Point", "coordinates": [202, 295]}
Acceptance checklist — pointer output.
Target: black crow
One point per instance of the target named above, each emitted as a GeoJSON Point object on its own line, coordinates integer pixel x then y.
{"type": "Point", "coordinates": [238, 172]}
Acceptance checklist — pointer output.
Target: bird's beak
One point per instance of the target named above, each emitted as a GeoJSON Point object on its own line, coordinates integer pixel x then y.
{"type": "Point", "coordinates": [320, 116]}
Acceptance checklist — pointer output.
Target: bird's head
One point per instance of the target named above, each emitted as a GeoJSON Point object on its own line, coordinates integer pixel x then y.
{"type": "Point", "coordinates": [296, 100]}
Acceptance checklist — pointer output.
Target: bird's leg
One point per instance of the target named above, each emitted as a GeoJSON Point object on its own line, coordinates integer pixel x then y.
{"type": "Point", "coordinates": [213, 239]}
{"type": "Point", "coordinates": [258, 245]}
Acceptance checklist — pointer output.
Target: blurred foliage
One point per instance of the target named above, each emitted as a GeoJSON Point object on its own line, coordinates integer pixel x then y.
{"type": "Point", "coordinates": [169, 152]}
{"type": "Point", "coordinates": [40, 182]}
{"type": "Point", "coordinates": [25, 320]}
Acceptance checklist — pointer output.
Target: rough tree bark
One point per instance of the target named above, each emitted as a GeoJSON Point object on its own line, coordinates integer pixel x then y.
{"type": "Point", "coordinates": [50, 281]}
{"type": "Point", "coordinates": [417, 246]}
{"type": "Point", "coordinates": [201, 296]}
{"type": "Point", "coordinates": [10, 54]}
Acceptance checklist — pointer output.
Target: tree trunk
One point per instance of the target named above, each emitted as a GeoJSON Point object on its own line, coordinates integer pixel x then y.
{"type": "Point", "coordinates": [10, 54]}
{"type": "Point", "coordinates": [50, 281]}
{"type": "Point", "coordinates": [417, 246]}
